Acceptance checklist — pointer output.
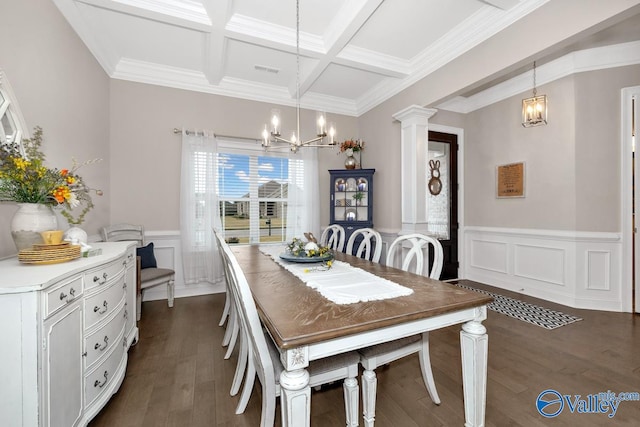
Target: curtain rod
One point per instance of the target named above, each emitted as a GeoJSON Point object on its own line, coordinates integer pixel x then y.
{"type": "Point", "coordinates": [194, 132]}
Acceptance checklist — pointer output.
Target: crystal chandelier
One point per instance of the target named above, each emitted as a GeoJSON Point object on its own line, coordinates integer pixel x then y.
{"type": "Point", "coordinates": [534, 109]}
{"type": "Point", "coordinates": [323, 129]}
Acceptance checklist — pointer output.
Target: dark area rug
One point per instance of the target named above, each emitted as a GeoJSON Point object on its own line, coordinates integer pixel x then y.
{"type": "Point", "coordinates": [531, 313]}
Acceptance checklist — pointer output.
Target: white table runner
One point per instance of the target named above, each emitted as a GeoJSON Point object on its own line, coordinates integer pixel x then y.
{"type": "Point", "coordinates": [342, 283]}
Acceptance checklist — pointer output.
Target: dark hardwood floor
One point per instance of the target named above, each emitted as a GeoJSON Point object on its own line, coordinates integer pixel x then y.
{"type": "Point", "coordinates": [177, 375]}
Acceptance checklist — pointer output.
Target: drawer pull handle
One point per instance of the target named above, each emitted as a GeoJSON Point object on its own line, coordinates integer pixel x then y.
{"type": "Point", "coordinates": [101, 384]}
{"type": "Point", "coordinates": [72, 293]}
{"type": "Point", "coordinates": [97, 309]}
{"type": "Point", "coordinates": [101, 348]}
{"type": "Point", "coordinates": [97, 278]}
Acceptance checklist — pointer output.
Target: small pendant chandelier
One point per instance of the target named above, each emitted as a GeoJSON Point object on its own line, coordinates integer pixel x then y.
{"type": "Point", "coordinates": [323, 129]}
{"type": "Point", "coordinates": [534, 109]}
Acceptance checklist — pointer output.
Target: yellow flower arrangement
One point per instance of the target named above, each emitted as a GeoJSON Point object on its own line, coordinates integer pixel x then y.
{"type": "Point", "coordinates": [25, 179]}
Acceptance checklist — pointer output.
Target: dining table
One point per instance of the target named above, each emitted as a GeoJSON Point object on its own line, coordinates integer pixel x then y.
{"type": "Point", "coordinates": [306, 326]}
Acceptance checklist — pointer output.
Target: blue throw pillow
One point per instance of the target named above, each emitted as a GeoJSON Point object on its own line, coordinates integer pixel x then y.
{"type": "Point", "coordinates": [147, 258]}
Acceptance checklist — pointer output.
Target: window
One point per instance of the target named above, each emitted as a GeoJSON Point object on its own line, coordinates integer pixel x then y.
{"type": "Point", "coordinates": [253, 193]}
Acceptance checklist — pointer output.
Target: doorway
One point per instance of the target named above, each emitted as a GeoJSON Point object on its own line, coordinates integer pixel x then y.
{"type": "Point", "coordinates": [442, 198]}
{"type": "Point", "coordinates": [630, 200]}
{"type": "Point", "coordinates": [630, 110]}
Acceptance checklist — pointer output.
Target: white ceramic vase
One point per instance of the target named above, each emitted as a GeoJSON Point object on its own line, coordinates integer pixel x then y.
{"type": "Point", "coordinates": [29, 221]}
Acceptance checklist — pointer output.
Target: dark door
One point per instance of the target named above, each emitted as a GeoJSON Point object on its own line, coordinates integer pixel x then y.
{"type": "Point", "coordinates": [443, 198]}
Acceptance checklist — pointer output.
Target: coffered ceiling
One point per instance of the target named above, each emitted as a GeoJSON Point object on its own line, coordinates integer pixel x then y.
{"type": "Point", "coordinates": [354, 54]}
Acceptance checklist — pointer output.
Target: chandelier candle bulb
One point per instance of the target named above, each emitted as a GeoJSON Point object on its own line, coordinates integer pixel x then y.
{"type": "Point", "coordinates": [332, 133]}
{"type": "Point", "coordinates": [275, 122]}
{"type": "Point", "coordinates": [322, 123]}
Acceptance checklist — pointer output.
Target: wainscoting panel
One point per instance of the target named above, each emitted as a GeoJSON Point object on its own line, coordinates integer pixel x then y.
{"type": "Point", "coordinates": [539, 263]}
{"type": "Point", "coordinates": [489, 255]}
{"type": "Point", "coordinates": [577, 269]}
{"type": "Point", "coordinates": [168, 252]}
{"type": "Point", "coordinates": [599, 270]}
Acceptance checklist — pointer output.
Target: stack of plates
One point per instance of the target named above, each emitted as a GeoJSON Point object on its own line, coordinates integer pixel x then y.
{"type": "Point", "coordinates": [49, 254]}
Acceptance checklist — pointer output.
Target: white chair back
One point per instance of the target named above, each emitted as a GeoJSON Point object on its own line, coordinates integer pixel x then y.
{"type": "Point", "coordinates": [250, 322]}
{"type": "Point", "coordinates": [370, 246]}
{"type": "Point", "coordinates": [415, 247]}
{"type": "Point", "coordinates": [121, 232]}
{"type": "Point", "coordinates": [333, 237]}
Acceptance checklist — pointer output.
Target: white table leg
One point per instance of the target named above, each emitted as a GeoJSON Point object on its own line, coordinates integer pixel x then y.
{"type": "Point", "coordinates": [369, 388]}
{"type": "Point", "coordinates": [295, 398]}
{"type": "Point", "coordinates": [351, 398]}
{"type": "Point", "coordinates": [474, 345]}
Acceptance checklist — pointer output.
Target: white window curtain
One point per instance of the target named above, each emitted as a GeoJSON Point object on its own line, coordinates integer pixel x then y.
{"type": "Point", "coordinates": [199, 209]}
{"type": "Point", "coordinates": [303, 210]}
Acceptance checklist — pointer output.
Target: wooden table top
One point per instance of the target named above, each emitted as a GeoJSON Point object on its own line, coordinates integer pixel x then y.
{"type": "Point", "coordinates": [298, 315]}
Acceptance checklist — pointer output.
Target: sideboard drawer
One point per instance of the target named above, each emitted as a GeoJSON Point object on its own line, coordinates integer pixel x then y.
{"type": "Point", "coordinates": [102, 340]}
{"type": "Point", "coordinates": [98, 380]}
{"type": "Point", "coordinates": [100, 305]}
{"type": "Point", "coordinates": [103, 274]}
{"type": "Point", "coordinates": [62, 295]}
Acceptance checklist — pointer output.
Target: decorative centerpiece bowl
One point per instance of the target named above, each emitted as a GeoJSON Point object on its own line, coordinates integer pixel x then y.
{"type": "Point", "coordinates": [306, 252]}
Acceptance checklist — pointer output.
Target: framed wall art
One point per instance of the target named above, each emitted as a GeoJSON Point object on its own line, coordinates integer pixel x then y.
{"type": "Point", "coordinates": [510, 180]}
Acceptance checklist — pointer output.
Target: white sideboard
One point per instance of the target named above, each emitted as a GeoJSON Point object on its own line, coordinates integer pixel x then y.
{"type": "Point", "coordinates": [65, 331]}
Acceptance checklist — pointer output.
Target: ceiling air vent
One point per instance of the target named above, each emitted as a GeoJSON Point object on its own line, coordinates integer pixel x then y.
{"type": "Point", "coordinates": [266, 69]}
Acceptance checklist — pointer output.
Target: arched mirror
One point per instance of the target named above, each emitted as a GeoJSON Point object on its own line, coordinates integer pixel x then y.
{"type": "Point", "coordinates": [12, 125]}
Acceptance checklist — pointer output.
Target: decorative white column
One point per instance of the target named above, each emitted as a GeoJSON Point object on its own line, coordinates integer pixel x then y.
{"type": "Point", "coordinates": [414, 166]}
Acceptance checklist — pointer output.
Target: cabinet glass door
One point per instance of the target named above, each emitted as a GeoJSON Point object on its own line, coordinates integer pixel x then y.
{"type": "Point", "coordinates": [351, 198]}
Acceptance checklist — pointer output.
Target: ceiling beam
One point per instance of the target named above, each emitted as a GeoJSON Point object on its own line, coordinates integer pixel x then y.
{"type": "Point", "coordinates": [347, 22]}
{"type": "Point", "coordinates": [215, 44]}
{"type": "Point", "coordinates": [167, 13]}
{"type": "Point", "coordinates": [502, 4]}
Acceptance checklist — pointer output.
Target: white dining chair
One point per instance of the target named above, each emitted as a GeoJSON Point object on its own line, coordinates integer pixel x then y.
{"type": "Point", "coordinates": [233, 327]}
{"type": "Point", "coordinates": [416, 248]}
{"type": "Point", "coordinates": [333, 237]}
{"type": "Point", "coordinates": [370, 245]}
{"type": "Point", "coordinates": [264, 357]}
{"type": "Point", "coordinates": [148, 273]}
{"type": "Point", "coordinates": [229, 312]}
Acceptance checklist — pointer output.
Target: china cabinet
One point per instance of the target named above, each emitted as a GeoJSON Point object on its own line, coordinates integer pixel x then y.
{"type": "Point", "coordinates": [351, 199]}
{"type": "Point", "coordinates": [68, 328]}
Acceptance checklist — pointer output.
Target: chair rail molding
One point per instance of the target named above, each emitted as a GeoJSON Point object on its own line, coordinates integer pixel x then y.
{"type": "Point", "coordinates": [575, 268]}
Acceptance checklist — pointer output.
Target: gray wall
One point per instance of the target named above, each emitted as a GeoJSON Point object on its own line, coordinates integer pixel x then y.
{"type": "Point", "coordinates": [597, 154]}
{"type": "Point", "coordinates": [145, 153]}
{"type": "Point", "coordinates": [60, 87]}
{"type": "Point", "coordinates": [495, 136]}
{"type": "Point", "coordinates": [572, 163]}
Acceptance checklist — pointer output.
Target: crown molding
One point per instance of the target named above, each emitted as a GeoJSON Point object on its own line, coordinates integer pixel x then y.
{"type": "Point", "coordinates": [180, 78]}
{"type": "Point", "coordinates": [575, 62]}
{"type": "Point", "coordinates": [468, 34]}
